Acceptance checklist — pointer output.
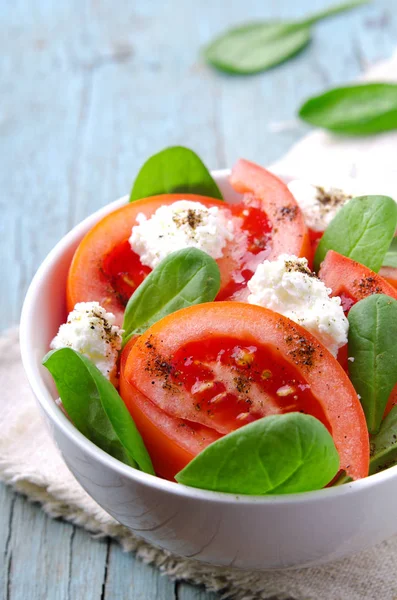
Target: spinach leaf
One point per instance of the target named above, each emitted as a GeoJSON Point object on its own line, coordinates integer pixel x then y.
{"type": "Point", "coordinates": [390, 259]}
{"type": "Point", "coordinates": [361, 230]}
{"type": "Point", "coordinates": [280, 454]}
{"type": "Point", "coordinates": [360, 109]}
{"type": "Point", "coordinates": [372, 344]}
{"type": "Point", "coordinates": [256, 47]}
{"type": "Point", "coordinates": [259, 46]}
{"type": "Point", "coordinates": [185, 277]}
{"type": "Point", "coordinates": [384, 444]}
{"type": "Point", "coordinates": [175, 169]}
{"type": "Point", "coordinates": [95, 407]}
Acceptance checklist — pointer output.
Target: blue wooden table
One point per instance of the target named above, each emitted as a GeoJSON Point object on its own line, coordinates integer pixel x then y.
{"type": "Point", "coordinates": [88, 90]}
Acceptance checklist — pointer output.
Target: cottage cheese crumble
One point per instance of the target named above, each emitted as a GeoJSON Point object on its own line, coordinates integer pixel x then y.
{"type": "Point", "coordinates": [288, 287]}
{"type": "Point", "coordinates": [90, 330]}
{"type": "Point", "coordinates": [318, 204]}
{"type": "Point", "coordinates": [183, 224]}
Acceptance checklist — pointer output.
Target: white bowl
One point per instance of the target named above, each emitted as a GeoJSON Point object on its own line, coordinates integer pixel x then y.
{"type": "Point", "coordinates": [242, 531]}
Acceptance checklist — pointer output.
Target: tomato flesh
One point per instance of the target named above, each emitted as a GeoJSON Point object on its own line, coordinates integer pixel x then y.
{"type": "Point", "coordinates": [124, 271]}
{"type": "Point", "coordinates": [257, 227]}
{"type": "Point", "coordinates": [233, 385]}
{"type": "Point", "coordinates": [347, 301]}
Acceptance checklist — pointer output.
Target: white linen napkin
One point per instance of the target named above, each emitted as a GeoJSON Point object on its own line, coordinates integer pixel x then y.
{"type": "Point", "coordinates": [31, 464]}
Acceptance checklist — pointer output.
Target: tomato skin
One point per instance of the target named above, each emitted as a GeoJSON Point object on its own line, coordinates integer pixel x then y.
{"type": "Point", "coordinates": [290, 234]}
{"type": "Point", "coordinates": [87, 280]}
{"type": "Point", "coordinates": [169, 452]}
{"type": "Point", "coordinates": [349, 278]}
{"type": "Point", "coordinates": [329, 385]}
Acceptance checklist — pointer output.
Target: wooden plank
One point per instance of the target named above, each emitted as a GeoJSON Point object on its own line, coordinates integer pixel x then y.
{"type": "Point", "coordinates": [87, 567]}
{"type": "Point", "coordinates": [39, 550]}
{"type": "Point", "coordinates": [46, 558]}
{"type": "Point", "coordinates": [39, 116]}
{"type": "Point", "coordinates": [7, 502]}
{"type": "Point", "coordinates": [130, 578]}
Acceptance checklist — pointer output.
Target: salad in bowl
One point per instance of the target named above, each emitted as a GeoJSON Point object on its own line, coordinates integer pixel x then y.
{"type": "Point", "coordinates": [227, 342]}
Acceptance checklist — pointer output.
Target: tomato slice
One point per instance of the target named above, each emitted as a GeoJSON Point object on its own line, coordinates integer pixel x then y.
{"type": "Point", "coordinates": [170, 441]}
{"type": "Point", "coordinates": [219, 366]}
{"type": "Point", "coordinates": [289, 232]}
{"type": "Point", "coordinates": [104, 267]}
{"type": "Point", "coordinates": [352, 281]}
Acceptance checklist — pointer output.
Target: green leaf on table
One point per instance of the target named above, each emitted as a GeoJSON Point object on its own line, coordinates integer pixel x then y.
{"type": "Point", "coordinates": [255, 47]}
{"type": "Point", "coordinates": [95, 407]}
{"type": "Point", "coordinates": [183, 278]}
{"type": "Point", "coordinates": [280, 454]}
{"type": "Point", "coordinates": [372, 344]}
{"type": "Point", "coordinates": [361, 109]}
{"type": "Point", "coordinates": [384, 444]}
{"type": "Point", "coordinates": [390, 259]}
{"type": "Point", "coordinates": [174, 170]}
{"type": "Point", "coordinates": [361, 230]}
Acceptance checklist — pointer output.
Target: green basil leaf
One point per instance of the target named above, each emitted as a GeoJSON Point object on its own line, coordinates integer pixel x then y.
{"type": "Point", "coordinates": [95, 407]}
{"type": "Point", "coordinates": [372, 344]}
{"type": "Point", "coordinates": [173, 170]}
{"type": "Point", "coordinates": [390, 259]}
{"type": "Point", "coordinates": [361, 109]}
{"type": "Point", "coordinates": [259, 46]}
{"type": "Point", "coordinates": [384, 444]}
{"type": "Point", "coordinates": [280, 454]}
{"type": "Point", "coordinates": [185, 277]}
{"type": "Point", "coordinates": [361, 230]}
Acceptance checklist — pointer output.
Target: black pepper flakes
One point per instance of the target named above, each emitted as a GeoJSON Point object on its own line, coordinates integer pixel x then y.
{"type": "Point", "coordinates": [288, 212]}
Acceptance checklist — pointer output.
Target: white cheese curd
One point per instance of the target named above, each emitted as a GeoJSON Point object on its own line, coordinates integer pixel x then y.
{"type": "Point", "coordinates": [181, 225]}
{"type": "Point", "coordinates": [318, 204]}
{"type": "Point", "coordinates": [287, 286]}
{"type": "Point", "coordinates": [90, 330]}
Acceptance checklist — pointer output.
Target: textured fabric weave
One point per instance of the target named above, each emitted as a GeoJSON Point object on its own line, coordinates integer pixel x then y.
{"type": "Point", "coordinates": [31, 464]}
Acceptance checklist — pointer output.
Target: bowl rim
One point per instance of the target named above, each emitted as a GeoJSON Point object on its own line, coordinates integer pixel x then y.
{"type": "Point", "coordinates": [55, 414]}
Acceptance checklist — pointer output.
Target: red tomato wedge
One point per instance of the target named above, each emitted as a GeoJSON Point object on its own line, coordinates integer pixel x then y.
{"type": "Point", "coordinates": [352, 281]}
{"type": "Point", "coordinates": [105, 268]}
{"type": "Point", "coordinates": [289, 232]}
{"type": "Point", "coordinates": [214, 367]}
